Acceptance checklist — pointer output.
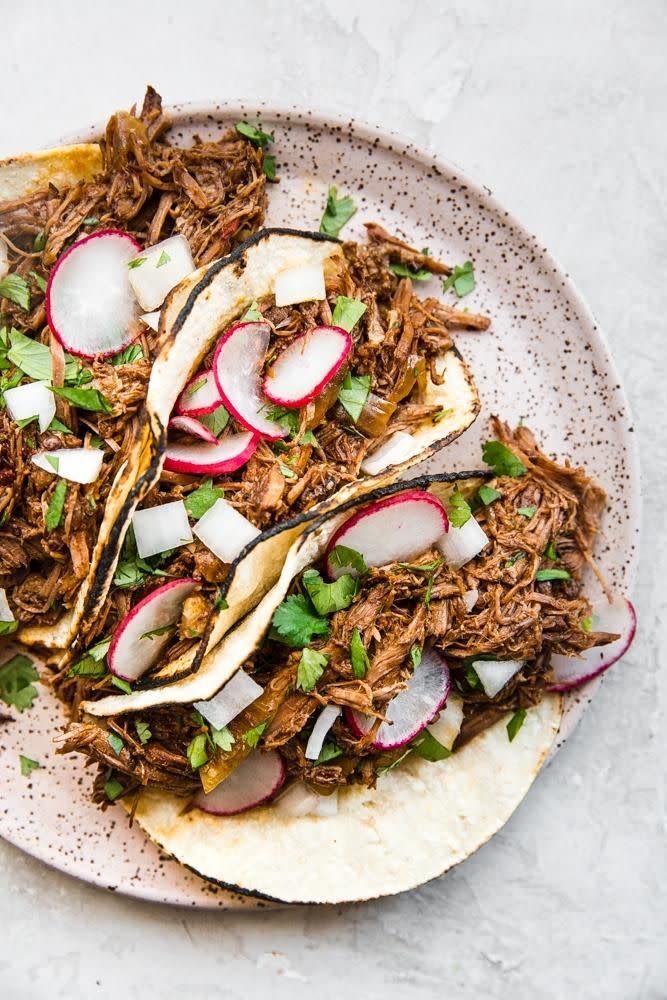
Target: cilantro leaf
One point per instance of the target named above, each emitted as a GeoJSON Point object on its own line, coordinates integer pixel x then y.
{"type": "Point", "coordinates": [163, 259]}
{"type": "Point", "coordinates": [58, 425]}
{"type": "Point", "coordinates": [121, 684]}
{"type": "Point", "coordinates": [503, 461]}
{"type": "Point", "coordinates": [586, 624]}
{"type": "Point", "coordinates": [132, 353]}
{"type": "Point", "coordinates": [136, 262]}
{"type": "Point", "coordinates": [442, 415]}
{"type": "Point", "coordinates": [16, 289]}
{"type": "Point", "coordinates": [143, 731]}
{"type": "Point", "coordinates": [39, 280]}
{"type": "Point", "coordinates": [462, 279]}
{"type": "Point", "coordinates": [427, 746]}
{"type": "Point", "coordinates": [343, 557]}
{"type": "Point", "coordinates": [288, 419]}
{"type": "Point", "coordinates": [252, 314]}
{"type": "Point", "coordinates": [358, 655]}
{"type": "Point", "coordinates": [113, 788]}
{"type": "Point", "coordinates": [56, 506]}
{"type": "Point", "coordinates": [7, 627]}
{"type": "Point", "coordinates": [415, 655]}
{"type": "Point", "coordinates": [515, 723]}
{"type": "Point", "coordinates": [337, 213]}
{"type": "Point", "coordinates": [527, 511]}
{"type": "Point", "coordinates": [329, 751]}
{"type": "Point", "coordinates": [347, 312]}
{"type": "Point", "coordinates": [255, 133]}
{"type": "Point", "coordinates": [269, 166]}
{"type": "Point", "coordinates": [196, 751]}
{"type": "Point", "coordinates": [39, 241]}
{"type": "Point", "coordinates": [116, 743]}
{"type": "Point", "coordinates": [202, 499]}
{"type": "Point", "coordinates": [27, 765]}
{"type": "Point", "coordinates": [310, 669]}
{"type": "Point", "coordinates": [472, 677]}
{"type": "Point", "coordinates": [514, 558]}
{"type": "Point", "coordinates": [215, 421]}
{"type": "Point", "coordinates": [223, 738]}
{"type": "Point", "coordinates": [459, 510]}
{"type": "Point", "coordinates": [544, 575]}
{"type": "Point", "coordinates": [550, 552]}
{"type": "Point", "coordinates": [401, 271]}
{"type": "Point", "coordinates": [286, 471]}
{"type": "Point", "coordinates": [253, 736]}
{"type": "Point", "coordinates": [92, 664]}
{"type": "Point", "coordinates": [295, 622]}
{"type": "Point", "coordinates": [329, 597]}
{"type": "Point", "coordinates": [353, 394]}
{"type": "Point", "coordinates": [84, 399]}
{"type": "Point", "coordinates": [16, 676]}
{"type": "Point", "coordinates": [488, 495]}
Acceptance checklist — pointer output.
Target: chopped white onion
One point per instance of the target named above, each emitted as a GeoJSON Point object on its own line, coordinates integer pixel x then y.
{"type": "Point", "coordinates": [304, 283]}
{"type": "Point", "coordinates": [460, 545]}
{"type": "Point", "coordinates": [152, 319]}
{"type": "Point", "coordinates": [470, 599]}
{"type": "Point", "coordinates": [494, 674]}
{"type": "Point", "coordinates": [299, 800]}
{"type": "Point", "coordinates": [325, 721]}
{"type": "Point", "coordinates": [33, 399]}
{"type": "Point", "coordinates": [448, 724]}
{"type": "Point", "coordinates": [77, 465]}
{"type": "Point", "coordinates": [158, 529]}
{"type": "Point", "coordinates": [397, 448]}
{"type": "Point", "coordinates": [6, 614]}
{"type": "Point", "coordinates": [155, 271]}
{"type": "Point", "coordinates": [4, 259]}
{"type": "Point", "coordinates": [224, 531]}
{"type": "Point", "coordinates": [239, 692]}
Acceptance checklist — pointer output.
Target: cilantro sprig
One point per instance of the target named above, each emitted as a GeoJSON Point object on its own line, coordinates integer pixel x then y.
{"type": "Point", "coordinates": [337, 212]}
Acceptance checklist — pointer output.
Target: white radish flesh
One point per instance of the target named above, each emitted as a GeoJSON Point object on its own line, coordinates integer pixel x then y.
{"type": "Point", "coordinates": [323, 724]}
{"type": "Point", "coordinates": [304, 283]}
{"type": "Point", "coordinates": [397, 448]}
{"type": "Point", "coordinates": [6, 613]}
{"type": "Point", "coordinates": [158, 269]}
{"type": "Point", "coordinates": [32, 399]}
{"type": "Point", "coordinates": [134, 649]}
{"type": "Point", "coordinates": [413, 708]}
{"type": "Point", "coordinates": [89, 302]}
{"type": "Point", "coordinates": [200, 396]}
{"type": "Point", "coordinates": [396, 529]}
{"type": "Point", "coordinates": [239, 692]}
{"type": "Point", "coordinates": [300, 800]}
{"type": "Point", "coordinates": [237, 366]}
{"type": "Point", "coordinates": [306, 366]}
{"type": "Point", "coordinates": [214, 458]}
{"type": "Point", "coordinates": [253, 782]}
{"type": "Point", "coordinates": [152, 320]}
{"type": "Point", "coordinates": [470, 599]}
{"type": "Point", "coordinates": [616, 617]}
{"type": "Point", "coordinates": [4, 259]}
{"type": "Point", "coordinates": [77, 465]}
{"type": "Point", "coordinates": [225, 531]}
{"type": "Point", "coordinates": [460, 545]}
{"type": "Point", "coordinates": [158, 529]}
{"type": "Point", "coordinates": [188, 425]}
{"type": "Point", "coordinates": [495, 674]}
{"type": "Point", "coordinates": [448, 724]}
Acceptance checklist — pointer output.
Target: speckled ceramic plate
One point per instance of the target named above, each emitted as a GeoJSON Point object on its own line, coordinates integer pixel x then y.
{"type": "Point", "coordinates": [545, 361]}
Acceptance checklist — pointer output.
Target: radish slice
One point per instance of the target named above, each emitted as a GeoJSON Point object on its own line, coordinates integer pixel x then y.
{"type": "Point", "coordinates": [308, 364]}
{"type": "Point", "coordinates": [155, 271]}
{"type": "Point", "coordinates": [77, 465]}
{"type": "Point", "coordinates": [412, 709]}
{"type": "Point", "coordinates": [33, 399]}
{"type": "Point", "coordinates": [152, 319]}
{"type": "Point", "coordinates": [89, 302]}
{"type": "Point", "coordinates": [6, 613]}
{"type": "Point", "coordinates": [4, 259]}
{"type": "Point", "coordinates": [448, 724]}
{"type": "Point", "coordinates": [304, 283]}
{"type": "Point", "coordinates": [470, 599]}
{"type": "Point", "coordinates": [214, 458]}
{"type": "Point", "coordinates": [325, 721]}
{"type": "Point", "coordinates": [460, 545]}
{"type": "Point", "coordinates": [193, 427]}
{"type": "Point", "coordinates": [300, 800]}
{"type": "Point", "coordinates": [238, 362]}
{"type": "Point", "coordinates": [397, 448]}
{"type": "Point", "coordinates": [237, 694]}
{"type": "Point", "coordinates": [135, 647]}
{"type": "Point", "coordinates": [617, 617]}
{"type": "Point", "coordinates": [254, 781]}
{"type": "Point", "coordinates": [158, 529]}
{"type": "Point", "coordinates": [395, 529]}
{"type": "Point", "coordinates": [224, 531]}
{"type": "Point", "coordinates": [200, 396]}
{"type": "Point", "coordinates": [495, 674]}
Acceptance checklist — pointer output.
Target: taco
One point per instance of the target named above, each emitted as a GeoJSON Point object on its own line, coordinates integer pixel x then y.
{"type": "Point", "coordinates": [77, 340]}
{"type": "Point", "coordinates": [386, 706]}
{"type": "Point", "coordinates": [294, 374]}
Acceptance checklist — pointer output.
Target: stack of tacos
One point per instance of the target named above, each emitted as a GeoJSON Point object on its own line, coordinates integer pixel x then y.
{"type": "Point", "coordinates": [256, 627]}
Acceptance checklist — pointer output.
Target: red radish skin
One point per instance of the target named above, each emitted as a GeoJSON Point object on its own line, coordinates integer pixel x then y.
{"type": "Point", "coordinates": [298, 364]}
{"type": "Point", "coordinates": [253, 782]}
{"type": "Point", "coordinates": [619, 618]}
{"type": "Point", "coordinates": [392, 534]}
{"type": "Point", "coordinates": [243, 382]}
{"type": "Point", "coordinates": [203, 400]}
{"type": "Point", "coordinates": [227, 455]}
{"type": "Point", "coordinates": [128, 248]}
{"type": "Point", "coordinates": [412, 709]}
{"type": "Point", "coordinates": [188, 425]}
{"type": "Point", "coordinates": [130, 655]}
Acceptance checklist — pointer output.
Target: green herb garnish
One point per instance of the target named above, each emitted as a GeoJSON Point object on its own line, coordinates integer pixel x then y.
{"type": "Point", "coordinates": [132, 353]}
{"type": "Point", "coordinates": [16, 289]}
{"type": "Point", "coordinates": [415, 655]}
{"type": "Point", "coordinates": [202, 499]}
{"type": "Point", "coordinates": [353, 394]}
{"type": "Point", "coordinates": [543, 575]}
{"type": "Point", "coordinates": [215, 421]}
{"type": "Point", "coordinates": [427, 746]}
{"type": "Point", "coordinates": [28, 765]}
{"type": "Point", "coordinates": [295, 622]}
{"type": "Point", "coordinates": [137, 262]}
{"type": "Point", "coordinates": [401, 271]}
{"type": "Point", "coordinates": [84, 399]}
{"type": "Point", "coordinates": [527, 511]}
{"type": "Point", "coordinates": [54, 512]}
{"type": "Point", "coordinates": [337, 213]}
{"type": "Point", "coordinates": [514, 558]}
{"type": "Point", "coordinates": [39, 280]}
{"type": "Point", "coordinates": [347, 312]}
{"type": "Point", "coordinates": [358, 655]}
{"type": "Point", "coordinates": [550, 552]}
{"type": "Point", "coordinates": [515, 723]}
{"type": "Point", "coordinates": [252, 315]}
{"type": "Point", "coordinates": [143, 731]}
{"type": "Point", "coordinates": [113, 789]}
{"type": "Point", "coordinates": [503, 461]}
{"type": "Point", "coordinates": [255, 133]}
{"type": "Point", "coordinates": [253, 736]}
{"type": "Point", "coordinates": [488, 495]}
{"type": "Point", "coordinates": [269, 166]}
{"type": "Point", "coordinates": [586, 624]}
{"type": "Point", "coordinates": [459, 510]}
{"type": "Point", "coordinates": [163, 259]}
{"type": "Point", "coordinates": [196, 751]}
{"type": "Point", "coordinates": [342, 557]}
{"type": "Point", "coordinates": [329, 597]}
{"type": "Point", "coordinates": [116, 743]}
{"type": "Point", "coordinates": [442, 415]}
{"type": "Point", "coordinates": [462, 279]}
{"type": "Point", "coordinates": [329, 751]}
{"type": "Point", "coordinates": [7, 628]}
{"type": "Point", "coordinates": [16, 677]}
{"type": "Point", "coordinates": [223, 738]}
{"type": "Point", "coordinates": [310, 669]}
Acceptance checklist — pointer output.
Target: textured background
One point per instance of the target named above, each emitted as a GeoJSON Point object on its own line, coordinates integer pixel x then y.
{"type": "Point", "coordinates": [561, 110]}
